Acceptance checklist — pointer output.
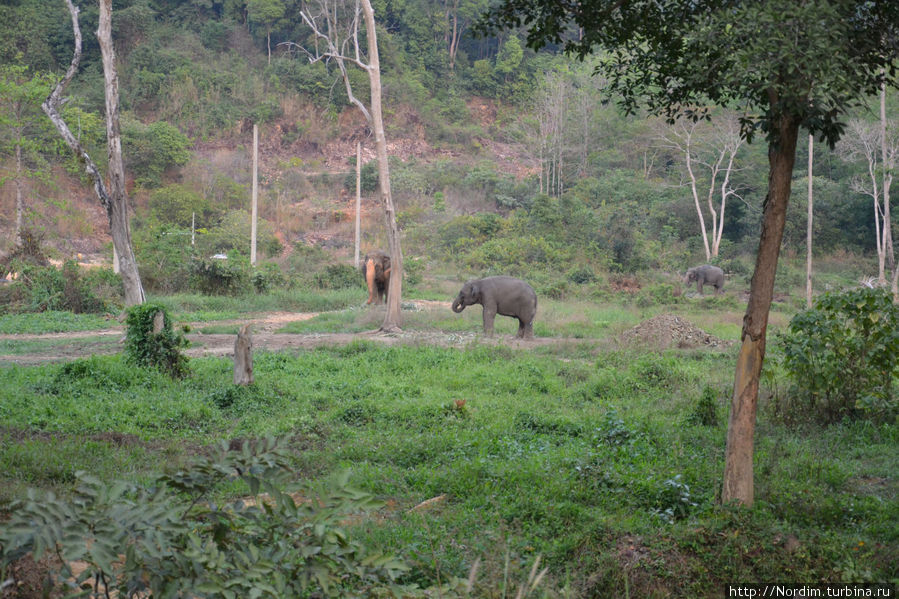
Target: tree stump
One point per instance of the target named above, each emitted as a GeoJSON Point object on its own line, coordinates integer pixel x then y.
{"type": "Point", "coordinates": [243, 357]}
{"type": "Point", "coordinates": [158, 322]}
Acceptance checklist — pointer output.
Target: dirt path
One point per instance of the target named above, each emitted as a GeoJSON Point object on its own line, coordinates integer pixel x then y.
{"type": "Point", "coordinates": [85, 343]}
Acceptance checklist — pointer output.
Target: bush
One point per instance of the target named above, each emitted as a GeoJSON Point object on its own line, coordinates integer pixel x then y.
{"type": "Point", "coordinates": [152, 149]}
{"type": "Point", "coordinates": [842, 355]}
{"type": "Point", "coordinates": [338, 276]}
{"type": "Point", "coordinates": [70, 288]}
{"type": "Point", "coordinates": [215, 276]}
{"type": "Point", "coordinates": [267, 277]}
{"type": "Point", "coordinates": [178, 542]}
{"type": "Point", "coordinates": [160, 350]}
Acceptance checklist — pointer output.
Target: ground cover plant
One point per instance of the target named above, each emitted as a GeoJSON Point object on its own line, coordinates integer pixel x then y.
{"type": "Point", "coordinates": [605, 462]}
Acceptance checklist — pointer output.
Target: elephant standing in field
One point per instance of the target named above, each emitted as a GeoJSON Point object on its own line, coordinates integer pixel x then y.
{"type": "Point", "coordinates": [706, 274]}
{"type": "Point", "coordinates": [376, 269]}
{"type": "Point", "coordinates": [506, 296]}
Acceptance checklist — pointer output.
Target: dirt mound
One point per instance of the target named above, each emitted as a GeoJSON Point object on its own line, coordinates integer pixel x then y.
{"type": "Point", "coordinates": [666, 331]}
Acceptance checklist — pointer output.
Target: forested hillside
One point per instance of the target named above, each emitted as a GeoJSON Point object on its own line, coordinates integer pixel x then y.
{"type": "Point", "coordinates": [503, 159]}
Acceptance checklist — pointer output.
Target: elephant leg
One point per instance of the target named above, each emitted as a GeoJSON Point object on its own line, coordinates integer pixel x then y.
{"type": "Point", "coordinates": [525, 330]}
{"type": "Point", "coordinates": [489, 315]}
{"type": "Point", "coordinates": [699, 286]}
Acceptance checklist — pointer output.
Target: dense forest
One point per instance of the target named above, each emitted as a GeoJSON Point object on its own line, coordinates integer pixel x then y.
{"type": "Point", "coordinates": [504, 160]}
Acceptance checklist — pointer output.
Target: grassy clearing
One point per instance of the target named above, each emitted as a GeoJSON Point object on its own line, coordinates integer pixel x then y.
{"type": "Point", "coordinates": [197, 308]}
{"type": "Point", "coordinates": [101, 344]}
{"type": "Point", "coordinates": [52, 322]}
{"type": "Point", "coordinates": [593, 461]}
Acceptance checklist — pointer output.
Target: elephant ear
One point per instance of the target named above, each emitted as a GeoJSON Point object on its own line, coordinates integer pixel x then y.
{"type": "Point", "coordinates": [475, 292]}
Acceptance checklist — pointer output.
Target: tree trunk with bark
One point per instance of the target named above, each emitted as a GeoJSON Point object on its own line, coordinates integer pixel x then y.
{"type": "Point", "coordinates": [738, 470]}
{"type": "Point", "coordinates": [112, 199]}
{"type": "Point", "coordinates": [392, 319]}
{"type": "Point", "coordinates": [117, 209]}
{"type": "Point", "coordinates": [20, 200]}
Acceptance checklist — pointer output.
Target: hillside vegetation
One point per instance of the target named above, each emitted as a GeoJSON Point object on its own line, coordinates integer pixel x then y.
{"type": "Point", "coordinates": [504, 160]}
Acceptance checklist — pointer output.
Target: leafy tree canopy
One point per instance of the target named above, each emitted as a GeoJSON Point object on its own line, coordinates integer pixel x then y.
{"type": "Point", "coordinates": [811, 61]}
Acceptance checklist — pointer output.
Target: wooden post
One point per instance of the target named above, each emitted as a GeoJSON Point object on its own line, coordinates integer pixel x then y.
{"type": "Point", "coordinates": [243, 357]}
{"type": "Point", "coordinates": [255, 194]}
{"type": "Point", "coordinates": [358, 201]}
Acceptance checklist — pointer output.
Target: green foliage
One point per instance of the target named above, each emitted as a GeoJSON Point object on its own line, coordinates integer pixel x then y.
{"type": "Point", "coordinates": [221, 276]}
{"type": "Point", "coordinates": [71, 288]}
{"type": "Point", "coordinates": [154, 349]}
{"type": "Point", "coordinates": [338, 276]}
{"type": "Point", "coordinates": [705, 411]}
{"type": "Point", "coordinates": [368, 177]}
{"type": "Point", "coordinates": [164, 256]}
{"type": "Point", "coordinates": [233, 234]}
{"type": "Point", "coordinates": [176, 539]}
{"type": "Point", "coordinates": [50, 322]}
{"type": "Point", "coordinates": [267, 276]}
{"type": "Point", "coordinates": [843, 355]}
{"type": "Point", "coordinates": [150, 150]}
{"type": "Point", "coordinates": [180, 206]}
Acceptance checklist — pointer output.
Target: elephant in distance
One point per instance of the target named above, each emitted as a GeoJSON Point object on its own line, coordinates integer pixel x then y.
{"type": "Point", "coordinates": [506, 296]}
{"type": "Point", "coordinates": [376, 269]}
{"type": "Point", "coordinates": [706, 275]}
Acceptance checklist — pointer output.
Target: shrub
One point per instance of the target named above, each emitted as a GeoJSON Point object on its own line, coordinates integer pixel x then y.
{"type": "Point", "coordinates": [214, 276]}
{"type": "Point", "coordinates": [705, 410]}
{"type": "Point", "coordinates": [153, 148]}
{"type": "Point", "coordinates": [41, 289]}
{"type": "Point", "coordinates": [842, 355]}
{"type": "Point", "coordinates": [178, 542]}
{"type": "Point", "coordinates": [338, 276]}
{"type": "Point", "coordinates": [162, 349]}
{"type": "Point", "coordinates": [267, 277]}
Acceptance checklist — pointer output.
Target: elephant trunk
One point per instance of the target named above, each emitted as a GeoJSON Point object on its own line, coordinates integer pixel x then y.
{"type": "Point", "coordinates": [458, 306]}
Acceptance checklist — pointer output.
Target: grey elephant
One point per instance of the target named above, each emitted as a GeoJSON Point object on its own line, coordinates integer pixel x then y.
{"type": "Point", "coordinates": [506, 296]}
{"type": "Point", "coordinates": [706, 274]}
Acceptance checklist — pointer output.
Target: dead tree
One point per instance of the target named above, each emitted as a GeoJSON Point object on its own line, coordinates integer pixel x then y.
{"type": "Point", "coordinates": [335, 26]}
{"type": "Point", "coordinates": [243, 357]}
{"type": "Point", "coordinates": [715, 152]}
{"type": "Point", "coordinates": [113, 199]}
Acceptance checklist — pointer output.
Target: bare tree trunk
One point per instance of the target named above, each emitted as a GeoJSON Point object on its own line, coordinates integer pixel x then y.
{"type": "Point", "coordinates": [392, 319]}
{"type": "Point", "coordinates": [358, 237]}
{"type": "Point", "coordinates": [20, 201]}
{"type": "Point", "coordinates": [118, 206]}
{"type": "Point", "coordinates": [808, 228]}
{"type": "Point", "coordinates": [887, 180]}
{"type": "Point", "coordinates": [254, 211]}
{"type": "Point", "coordinates": [887, 160]}
{"type": "Point", "coordinates": [114, 200]}
{"type": "Point", "coordinates": [738, 473]}
{"type": "Point", "coordinates": [705, 237]}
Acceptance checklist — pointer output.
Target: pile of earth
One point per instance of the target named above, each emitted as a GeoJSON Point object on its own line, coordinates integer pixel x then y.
{"type": "Point", "coordinates": [666, 331]}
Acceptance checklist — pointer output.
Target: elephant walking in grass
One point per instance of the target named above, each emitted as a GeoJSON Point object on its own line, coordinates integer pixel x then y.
{"type": "Point", "coordinates": [706, 274]}
{"type": "Point", "coordinates": [506, 296]}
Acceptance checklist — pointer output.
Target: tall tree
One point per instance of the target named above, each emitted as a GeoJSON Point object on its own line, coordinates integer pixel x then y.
{"type": "Point", "coordinates": [21, 123]}
{"type": "Point", "coordinates": [787, 63]}
{"type": "Point", "coordinates": [335, 26]}
{"type": "Point", "coordinates": [877, 144]}
{"type": "Point", "coordinates": [714, 149]}
{"type": "Point", "coordinates": [266, 13]}
{"type": "Point", "coordinates": [113, 198]}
